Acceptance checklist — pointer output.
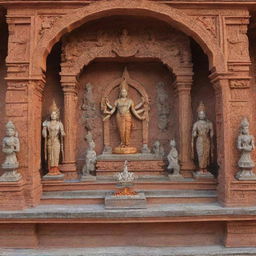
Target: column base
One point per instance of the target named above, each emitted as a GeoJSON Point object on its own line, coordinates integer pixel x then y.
{"type": "Point", "coordinates": [187, 169]}
{"type": "Point", "coordinates": [69, 170]}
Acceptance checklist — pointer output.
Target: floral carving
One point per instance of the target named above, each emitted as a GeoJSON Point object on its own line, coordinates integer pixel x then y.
{"type": "Point", "coordinates": [209, 22]}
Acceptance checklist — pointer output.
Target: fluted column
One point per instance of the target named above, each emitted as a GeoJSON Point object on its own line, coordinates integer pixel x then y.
{"type": "Point", "coordinates": [184, 108]}
{"type": "Point", "coordinates": [70, 121]}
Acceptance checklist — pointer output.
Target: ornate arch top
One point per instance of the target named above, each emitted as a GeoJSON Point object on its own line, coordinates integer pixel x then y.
{"type": "Point", "coordinates": [128, 42]}
{"type": "Point", "coordinates": [100, 9]}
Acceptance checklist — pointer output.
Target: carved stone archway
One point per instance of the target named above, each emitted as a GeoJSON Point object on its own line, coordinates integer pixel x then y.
{"type": "Point", "coordinates": [173, 51]}
{"type": "Point", "coordinates": [172, 16]}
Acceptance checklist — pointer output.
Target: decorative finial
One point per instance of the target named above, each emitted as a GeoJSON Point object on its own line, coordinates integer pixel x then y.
{"type": "Point", "coordinates": [124, 85]}
{"type": "Point", "coordinates": [54, 108]}
{"type": "Point", "coordinates": [201, 107]}
{"type": "Point", "coordinates": [125, 74]}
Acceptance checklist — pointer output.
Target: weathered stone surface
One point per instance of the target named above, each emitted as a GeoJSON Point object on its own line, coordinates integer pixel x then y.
{"type": "Point", "coordinates": [134, 251]}
{"type": "Point", "coordinates": [138, 201]}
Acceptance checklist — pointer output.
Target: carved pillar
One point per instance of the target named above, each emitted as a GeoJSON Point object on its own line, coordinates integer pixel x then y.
{"type": "Point", "coordinates": [69, 87]}
{"type": "Point", "coordinates": [23, 108]}
{"type": "Point", "coordinates": [183, 88]}
{"type": "Point", "coordinates": [232, 104]}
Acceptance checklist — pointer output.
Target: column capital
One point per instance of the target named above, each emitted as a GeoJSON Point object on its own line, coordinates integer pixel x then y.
{"type": "Point", "coordinates": [182, 86]}
{"type": "Point", "coordinates": [69, 88]}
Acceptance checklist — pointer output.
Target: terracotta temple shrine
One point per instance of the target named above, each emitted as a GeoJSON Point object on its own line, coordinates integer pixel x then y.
{"type": "Point", "coordinates": [128, 127]}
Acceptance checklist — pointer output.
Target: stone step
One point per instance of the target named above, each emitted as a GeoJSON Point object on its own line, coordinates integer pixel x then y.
{"type": "Point", "coordinates": [133, 251]}
{"type": "Point", "coordinates": [143, 183]}
{"type": "Point", "coordinates": [153, 196]}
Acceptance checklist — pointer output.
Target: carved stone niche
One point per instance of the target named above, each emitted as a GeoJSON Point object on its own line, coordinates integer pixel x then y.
{"type": "Point", "coordinates": [139, 92]}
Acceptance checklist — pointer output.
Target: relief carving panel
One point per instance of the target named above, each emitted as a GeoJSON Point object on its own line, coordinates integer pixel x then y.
{"type": "Point", "coordinates": [140, 42]}
{"type": "Point", "coordinates": [18, 49]}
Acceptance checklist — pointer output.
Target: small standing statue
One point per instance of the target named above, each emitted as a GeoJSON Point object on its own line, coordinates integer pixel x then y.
{"type": "Point", "coordinates": [53, 134]}
{"type": "Point", "coordinates": [158, 149]}
{"type": "Point", "coordinates": [245, 144]}
{"type": "Point", "coordinates": [173, 162]}
{"type": "Point", "coordinates": [90, 159]}
{"type": "Point", "coordinates": [202, 134]}
{"type": "Point", "coordinates": [124, 108]}
{"type": "Point", "coordinates": [11, 145]}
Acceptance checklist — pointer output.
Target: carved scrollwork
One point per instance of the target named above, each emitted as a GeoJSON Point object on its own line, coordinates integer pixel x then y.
{"type": "Point", "coordinates": [209, 22]}
{"type": "Point", "coordinates": [239, 83]}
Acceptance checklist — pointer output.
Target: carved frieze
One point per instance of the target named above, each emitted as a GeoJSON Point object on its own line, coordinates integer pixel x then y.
{"type": "Point", "coordinates": [46, 22]}
{"type": "Point", "coordinates": [18, 48]}
{"type": "Point", "coordinates": [239, 83]}
{"type": "Point", "coordinates": [110, 43]}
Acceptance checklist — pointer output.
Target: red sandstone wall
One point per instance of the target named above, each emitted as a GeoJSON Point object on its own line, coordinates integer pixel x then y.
{"type": "Point", "coordinates": [101, 235]}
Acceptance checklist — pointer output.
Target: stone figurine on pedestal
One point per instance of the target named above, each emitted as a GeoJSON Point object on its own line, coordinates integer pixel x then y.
{"type": "Point", "coordinates": [11, 145]}
{"type": "Point", "coordinates": [173, 162]}
{"type": "Point", "coordinates": [245, 144]}
{"type": "Point", "coordinates": [53, 134]}
{"type": "Point", "coordinates": [158, 149]}
{"type": "Point", "coordinates": [90, 160]}
{"type": "Point", "coordinates": [202, 143]}
{"type": "Point", "coordinates": [124, 108]}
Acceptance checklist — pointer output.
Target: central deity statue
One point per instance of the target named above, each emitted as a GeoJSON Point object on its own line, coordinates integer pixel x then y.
{"type": "Point", "coordinates": [124, 108]}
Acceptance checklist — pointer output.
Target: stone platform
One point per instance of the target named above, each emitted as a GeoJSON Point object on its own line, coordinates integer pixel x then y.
{"type": "Point", "coordinates": [140, 164]}
{"type": "Point", "coordinates": [153, 196]}
{"type": "Point", "coordinates": [161, 225]}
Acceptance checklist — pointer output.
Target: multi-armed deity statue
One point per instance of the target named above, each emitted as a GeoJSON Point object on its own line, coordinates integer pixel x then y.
{"type": "Point", "coordinates": [245, 144]}
{"type": "Point", "coordinates": [11, 145]}
{"type": "Point", "coordinates": [53, 133]}
{"type": "Point", "coordinates": [202, 136]}
{"type": "Point", "coordinates": [124, 108]}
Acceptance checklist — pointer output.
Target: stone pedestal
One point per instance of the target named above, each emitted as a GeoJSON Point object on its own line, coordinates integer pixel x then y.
{"type": "Point", "coordinates": [12, 196]}
{"type": "Point", "coordinates": [246, 175]}
{"type": "Point", "coordinates": [203, 176]}
{"type": "Point", "coordinates": [10, 176]}
{"type": "Point", "coordinates": [126, 202]}
{"type": "Point", "coordinates": [53, 177]}
{"type": "Point", "coordinates": [176, 177]}
{"type": "Point", "coordinates": [88, 178]}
